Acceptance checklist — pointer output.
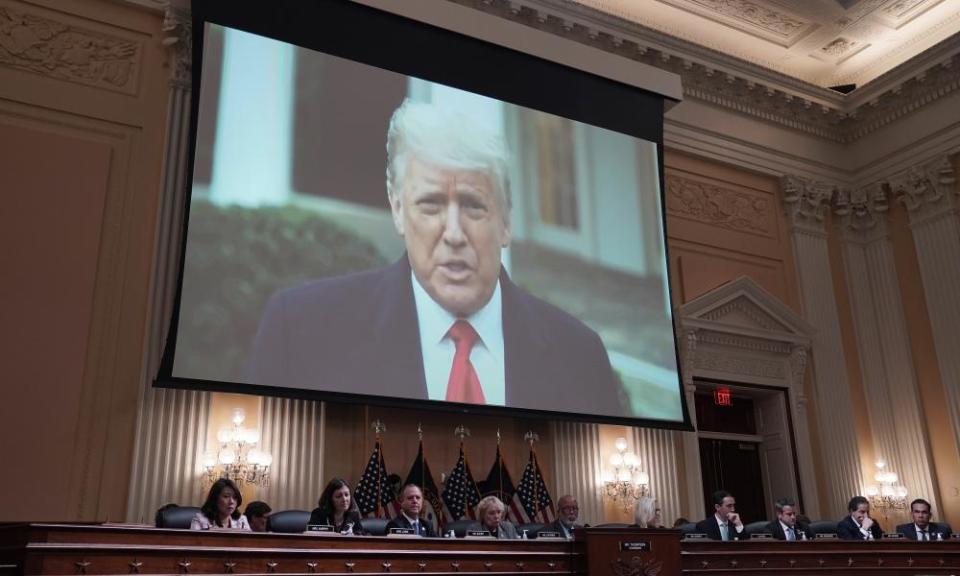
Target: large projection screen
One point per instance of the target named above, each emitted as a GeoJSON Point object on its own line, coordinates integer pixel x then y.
{"type": "Point", "coordinates": [351, 208]}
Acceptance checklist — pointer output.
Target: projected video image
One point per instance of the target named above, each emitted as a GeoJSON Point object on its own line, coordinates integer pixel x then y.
{"type": "Point", "coordinates": [357, 231]}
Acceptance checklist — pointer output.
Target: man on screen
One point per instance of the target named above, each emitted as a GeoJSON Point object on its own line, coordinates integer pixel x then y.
{"type": "Point", "coordinates": [445, 322]}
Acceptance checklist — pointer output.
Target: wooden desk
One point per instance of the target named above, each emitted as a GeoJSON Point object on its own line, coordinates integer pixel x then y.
{"type": "Point", "coordinates": [77, 549]}
{"type": "Point", "coordinates": [820, 557]}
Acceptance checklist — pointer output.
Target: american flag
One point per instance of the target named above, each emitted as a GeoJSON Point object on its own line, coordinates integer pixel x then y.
{"type": "Point", "coordinates": [533, 494]}
{"type": "Point", "coordinates": [460, 494]}
{"type": "Point", "coordinates": [500, 484]}
{"type": "Point", "coordinates": [421, 476]}
{"type": "Point", "coordinates": [374, 492]}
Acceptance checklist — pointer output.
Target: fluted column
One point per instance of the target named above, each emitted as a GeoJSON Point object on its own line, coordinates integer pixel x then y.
{"type": "Point", "coordinates": [658, 458]}
{"type": "Point", "coordinates": [171, 424]}
{"type": "Point", "coordinates": [690, 441]}
{"type": "Point", "coordinates": [292, 431]}
{"type": "Point", "coordinates": [578, 467]}
{"type": "Point", "coordinates": [806, 203]}
{"type": "Point", "coordinates": [798, 411]}
{"type": "Point", "coordinates": [892, 395]}
{"type": "Point", "coordinates": [930, 194]}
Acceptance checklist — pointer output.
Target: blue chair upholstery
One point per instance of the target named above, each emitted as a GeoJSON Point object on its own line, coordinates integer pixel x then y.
{"type": "Point", "coordinates": [176, 516]}
{"type": "Point", "coordinates": [375, 526]}
{"type": "Point", "coordinates": [288, 521]}
{"type": "Point", "coordinates": [824, 527]}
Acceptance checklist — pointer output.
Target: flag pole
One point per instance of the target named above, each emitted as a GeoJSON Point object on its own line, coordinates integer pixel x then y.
{"type": "Point", "coordinates": [378, 428]}
{"type": "Point", "coordinates": [532, 437]}
{"type": "Point", "coordinates": [499, 469]}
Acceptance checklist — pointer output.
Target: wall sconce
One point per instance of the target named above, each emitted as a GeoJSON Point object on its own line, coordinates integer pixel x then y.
{"type": "Point", "coordinates": [626, 483]}
{"type": "Point", "coordinates": [886, 495]}
{"type": "Point", "coordinates": [238, 458]}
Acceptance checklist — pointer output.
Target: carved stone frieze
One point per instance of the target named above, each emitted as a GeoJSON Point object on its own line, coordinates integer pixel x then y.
{"type": "Point", "coordinates": [807, 202]}
{"type": "Point", "coordinates": [769, 96]}
{"type": "Point", "coordinates": [744, 342]}
{"type": "Point", "coordinates": [178, 38]}
{"type": "Point", "coordinates": [798, 365]}
{"type": "Point", "coordinates": [749, 15]}
{"type": "Point", "coordinates": [29, 41]}
{"type": "Point", "coordinates": [927, 190]}
{"type": "Point", "coordinates": [739, 365]}
{"type": "Point", "coordinates": [719, 206]}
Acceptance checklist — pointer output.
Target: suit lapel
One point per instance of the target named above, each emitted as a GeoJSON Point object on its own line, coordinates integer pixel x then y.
{"type": "Point", "coordinates": [525, 348]}
{"type": "Point", "coordinates": [395, 343]}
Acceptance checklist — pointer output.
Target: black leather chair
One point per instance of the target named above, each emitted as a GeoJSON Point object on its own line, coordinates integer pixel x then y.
{"type": "Point", "coordinates": [532, 529]}
{"type": "Point", "coordinates": [176, 516]}
{"type": "Point", "coordinates": [757, 527]}
{"type": "Point", "coordinates": [824, 527]}
{"type": "Point", "coordinates": [688, 528]}
{"type": "Point", "coordinates": [459, 527]}
{"type": "Point", "coordinates": [288, 521]}
{"type": "Point", "coordinates": [375, 526]}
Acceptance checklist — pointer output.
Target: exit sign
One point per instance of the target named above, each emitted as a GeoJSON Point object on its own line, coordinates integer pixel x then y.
{"type": "Point", "coordinates": [722, 397]}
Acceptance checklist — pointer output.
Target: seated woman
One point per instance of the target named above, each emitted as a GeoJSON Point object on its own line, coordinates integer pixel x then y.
{"type": "Point", "coordinates": [647, 514]}
{"type": "Point", "coordinates": [336, 508]}
{"type": "Point", "coordinates": [222, 508]}
{"type": "Point", "coordinates": [490, 511]}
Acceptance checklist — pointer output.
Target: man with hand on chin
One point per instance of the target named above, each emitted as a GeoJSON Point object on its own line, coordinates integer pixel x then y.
{"type": "Point", "coordinates": [725, 524]}
{"type": "Point", "coordinates": [859, 525]}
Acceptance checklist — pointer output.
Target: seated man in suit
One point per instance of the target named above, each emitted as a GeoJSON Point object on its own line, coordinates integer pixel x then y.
{"type": "Point", "coordinates": [787, 526]}
{"type": "Point", "coordinates": [725, 523]}
{"type": "Point", "coordinates": [411, 503]}
{"type": "Point", "coordinates": [859, 525]}
{"type": "Point", "coordinates": [444, 322]}
{"type": "Point", "coordinates": [922, 529]}
{"type": "Point", "coordinates": [568, 511]}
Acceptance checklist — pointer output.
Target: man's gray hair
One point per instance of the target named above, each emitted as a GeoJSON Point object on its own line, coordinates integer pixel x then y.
{"type": "Point", "coordinates": [450, 139]}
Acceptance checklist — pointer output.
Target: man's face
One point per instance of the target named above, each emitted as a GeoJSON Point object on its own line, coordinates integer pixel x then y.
{"type": "Point", "coordinates": [412, 501]}
{"type": "Point", "coordinates": [862, 511]}
{"type": "Point", "coordinates": [728, 507]}
{"type": "Point", "coordinates": [454, 228]}
{"type": "Point", "coordinates": [788, 516]}
{"type": "Point", "coordinates": [921, 514]}
{"type": "Point", "coordinates": [569, 511]}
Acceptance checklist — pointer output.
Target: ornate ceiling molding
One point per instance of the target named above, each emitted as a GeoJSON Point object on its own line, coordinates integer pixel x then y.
{"type": "Point", "coordinates": [734, 84]}
{"type": "Point", "coordinates": [807, 202]}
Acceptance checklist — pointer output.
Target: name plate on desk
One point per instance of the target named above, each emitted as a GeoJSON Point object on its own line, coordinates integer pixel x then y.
{"type": "Point", "coordinates": [761, 536]}
{"type": "Point", "coordinates": [402, 532]}
{"type": "Point", "coordinates": [695, 536]}
{"type": "Point", "coordinates": [548, 535]}
{"type": "Point", "coordinates": [636, 546]}
{"type": "Point", "coordinates": [319, 528]}
{"type": "Point", "coordinates": [893, 536]}
{"type": "Point", "coordinates": [478, 534]}
{"type": "Point", "coordinates": [955, 536]}
{"type": "Point", "coordinates": [826, 536]}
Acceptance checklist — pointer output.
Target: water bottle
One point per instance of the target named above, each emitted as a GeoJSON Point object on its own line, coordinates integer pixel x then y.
{"type": "Point", "coordinates": [524, 535]}
{"type": "Point", "coordinates": [939, 536]}
{"type": "Point", "coordinates": [803, 535]}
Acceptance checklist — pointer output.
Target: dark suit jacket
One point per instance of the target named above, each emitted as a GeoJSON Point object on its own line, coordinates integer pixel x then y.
{"type": "Point", "coordinates": [847, 529]}
{"type": "Point", "coordinates": [910, 530]}
{"type": "Point", "coordinates": [776, 529]}
{"type": "Point", "coordinates": [318, 517]}
{"type": "Point", "coordinates": [357, 334]}
{"type": "Point", "coordinates": [426, 529]}
{"type": "Point", "coordinates": [558, 527]}
{"type": "Point", "coordinates": [711, 528]}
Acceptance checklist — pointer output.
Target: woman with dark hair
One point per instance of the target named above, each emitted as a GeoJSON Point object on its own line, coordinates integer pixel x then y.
{"type": "Point", "coordinates": [222, 508]}
{"type": "Point", "coordinates": [338, 509]}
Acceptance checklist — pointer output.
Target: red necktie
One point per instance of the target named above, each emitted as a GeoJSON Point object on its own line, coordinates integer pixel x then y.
{"type": "Point", "coordinates": [464, 385]}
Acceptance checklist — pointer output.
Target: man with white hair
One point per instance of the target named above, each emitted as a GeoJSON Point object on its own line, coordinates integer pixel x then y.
{"type": "Point", "coordinates": [445, 322]}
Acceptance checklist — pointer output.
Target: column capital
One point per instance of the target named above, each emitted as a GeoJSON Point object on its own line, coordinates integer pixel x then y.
{"type": "Point", "coordinates": [807, 202]}
{"type": "Point", "coordinates": [862, 211]}
{"type": "Point", "coordinates": [927, 190]}
{"type": "Point", "coordinates": [177, 30]}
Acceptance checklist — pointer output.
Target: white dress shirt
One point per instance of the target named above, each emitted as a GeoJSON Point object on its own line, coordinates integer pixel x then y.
{"type": "Point", "coordinates": [438, 350]}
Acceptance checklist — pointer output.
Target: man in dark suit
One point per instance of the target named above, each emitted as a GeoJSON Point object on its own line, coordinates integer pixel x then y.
{"type": "Point", "coordinates": [859, 525]}
{"type": "Point", "coordinates": [787, 526]}
{"type": "Point", "coordinates": [445, 322]}
{"type": "Point", "coordinates": [566, 522]}
{"type": "Point", "coordinates": [922, 529]}
{"type": "Point", "coordinates": [725, 523]}
{"type": "Point", "coordinates": [411, 503]}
